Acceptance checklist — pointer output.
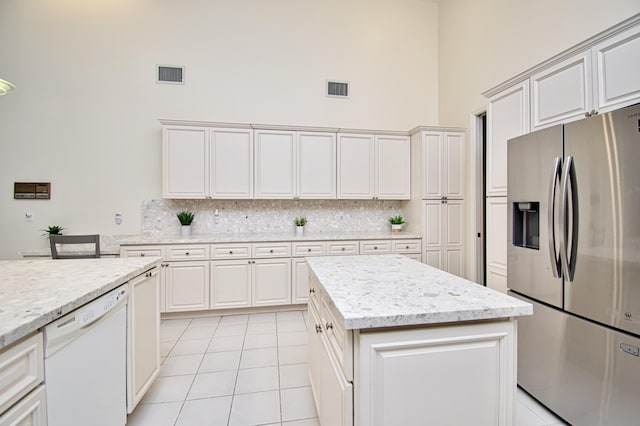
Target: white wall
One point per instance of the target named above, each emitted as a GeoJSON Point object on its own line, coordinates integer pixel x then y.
{"type": "Point", "coordinates": [84, 115]}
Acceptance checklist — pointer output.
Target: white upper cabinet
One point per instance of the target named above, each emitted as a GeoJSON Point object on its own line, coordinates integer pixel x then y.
{"type": "Point", "coordinates": [393, 168]}
{"type": "Point", "coordinates": [356, 156]}
{"type": "Point", "coordinates": [507, 117]}
{"type": "Point", "coordinates": [374, 167]}
{"type": "Point", "coordinates": [316, 154]}
{"type": "Point", "coordinates": [231, 163]}
{"type": "Point", "coordinates": [616, 64]}
{"type": "Point", "coordinates": [443, 165]}
{"type": "Point", "coordinates": [562, 92]}
{"type": "Point", "coordinates": [185, 162]}
{"type": "Point", "coordinates": [275, 164]}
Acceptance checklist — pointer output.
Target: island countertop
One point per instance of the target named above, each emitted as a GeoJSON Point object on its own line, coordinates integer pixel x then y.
{"type": "Point", "coordinates": [391, 290]}
{"type": "Point", "coordinates": [34, 293]}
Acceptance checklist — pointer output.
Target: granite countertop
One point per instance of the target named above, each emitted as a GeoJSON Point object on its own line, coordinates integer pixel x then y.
{"type": "Point", "coordinates": [34, 293]}
{"type": "Point", "coordinates": [110, 244]}
{"type": "Point", "coordinates": [391, 290]}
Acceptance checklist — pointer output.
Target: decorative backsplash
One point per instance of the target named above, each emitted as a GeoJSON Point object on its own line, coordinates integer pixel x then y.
{"type": "Point", "coordinates": [159, 216]}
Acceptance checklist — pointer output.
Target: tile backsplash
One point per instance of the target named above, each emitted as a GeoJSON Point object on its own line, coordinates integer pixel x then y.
{"type": "Point", "coordinates": [159, 216]}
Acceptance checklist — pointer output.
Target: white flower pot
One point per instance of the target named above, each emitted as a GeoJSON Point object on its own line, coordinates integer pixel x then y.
{"type": "Point", "coordinates": [185, 231]}
{"type": "Point", "coordinates": [299, 230]}
{"type": "Point", "coordinates": [396, 229]}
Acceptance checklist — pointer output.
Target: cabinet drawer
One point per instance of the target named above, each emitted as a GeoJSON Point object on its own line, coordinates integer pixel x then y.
{"type": "Point", "coordinates": [191, 252]}
{"type": "Point", "coordinates": [271, 250]}
{"type": "Point", "coordinates": [343, 247]}
{"type": "Point", "coordinates": [339, 341]}
{"type": "Point", "coordinates": [21, 369]}
{"type": "Point", "coordinates": [230, 251]}
{"type": "Point", "coordinates": [142, 251]}
{"type": "Point", "coordinates": [31, 410]}
{"type": "Point", "coordinates": [375, 247]}
{"type": "Point", "coordinates": [407, 246]}
{"type": "Point", "coordinates": [309, 249]}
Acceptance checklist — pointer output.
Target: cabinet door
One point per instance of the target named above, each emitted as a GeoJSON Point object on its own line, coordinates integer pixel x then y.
{"type": "Point", "coordinates": [432, 165]}
{"type": "Point", "coordinates": [433, 239]}
{"type": "Point", "coordinates": [143, 335]}
{"type": "Point", "coordinates": [314, 353]}
{"type": "Point", "coordinates": [187, 286]}
{"type": "Point", "coordinates": [497, 243]}
{"type": "Point", "coordinates": [29, 411]}
{"type": "Point", "coordinates": [562, 92]}
{"type": "Point", "coordinates": [356, 156]}
{"type": "Point", "coordinates": [300, 278]}
{"type": "Point", "coordinates": [454, 236]}
{"type": "Point", "coordinates": [231, 163]}
{"type": "Point", "coordinates": [454, 165]}
{"type": "Point", "coordinates": [616, 62]}
{"type": "Point", "coordinates": [185, 162]}
{"type": "Point", "coordinates": [393, 168]}
{"type": "Point", "coordinates": [275, 164]}
{"type": "Point", "coordinates": [336, 393]}
{"type": "Point", "coordinates": [507, 117]}
{"type": "Point", "coordinates": [230, 284]}
{"type": "Point", "coordinates": [316, 165]}
{"type": "Point", "coordinates": [271, 282]}
{"type": "Point", "coordinates": [455, 375]}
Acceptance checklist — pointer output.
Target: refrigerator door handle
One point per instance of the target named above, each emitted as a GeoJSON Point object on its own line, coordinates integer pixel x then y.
{"type": "Point", "coordinates": [556, 265]}
{"type": "Point", "coordinates": [569, 264]}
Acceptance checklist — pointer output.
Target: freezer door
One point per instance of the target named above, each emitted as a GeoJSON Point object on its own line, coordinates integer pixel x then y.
{"type": "Point", "coordinates": [606, 281]}
{"type": "Point", "coordinates": [532, 253]}
{"type": "Point", "coordinates": [585, 373]}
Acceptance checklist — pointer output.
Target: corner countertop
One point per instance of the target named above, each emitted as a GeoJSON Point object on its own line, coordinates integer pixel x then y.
{"type": "Point", "coordinates": [34, 293]}
{"type": "Point", "coordinates": [110, 244]}
{"type": "Point", "coordinates": [390, 290]}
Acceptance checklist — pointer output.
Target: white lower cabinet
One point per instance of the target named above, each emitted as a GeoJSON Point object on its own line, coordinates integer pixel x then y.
{"type": "Point", "coordinates": [443, 235]}
{"type": "Point", "coordinates": [143, 335]}
{"type": "Point", "coordinates": [423, 375]}
{"type": "Point", "coordinates": [271, 282]}
{"type": "Point", "coordinates": [30, 411]}
{"type": "Point", "coordinates": [187, 286]}
{"type": "Point", "coordinates": [230, 284]}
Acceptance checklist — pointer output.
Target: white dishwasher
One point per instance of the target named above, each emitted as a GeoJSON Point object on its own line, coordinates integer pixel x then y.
{"type": "Point", "coordinates": [85, 364]}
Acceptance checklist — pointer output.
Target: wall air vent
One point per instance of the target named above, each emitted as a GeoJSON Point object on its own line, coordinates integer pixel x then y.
{"type": "Point", "coordinates": [170, 74]}
{"type": "Point", "coordinates": [338, 89]}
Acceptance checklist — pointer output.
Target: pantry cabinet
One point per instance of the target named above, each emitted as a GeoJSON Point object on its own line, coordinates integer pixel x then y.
{"type": "Point", "coordinates": [374, 167]}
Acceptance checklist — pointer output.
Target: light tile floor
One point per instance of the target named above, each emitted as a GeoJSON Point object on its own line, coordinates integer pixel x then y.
{"type": "Point", "coordinates": [247, 370]}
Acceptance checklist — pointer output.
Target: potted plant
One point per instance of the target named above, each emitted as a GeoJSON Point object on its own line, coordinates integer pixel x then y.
{"type": "Point", "coordinates": [300, 222]}
{"type": "Point", "coordinates": [185, 217]}
{"type": "Point", "coordinates": [396, 223]}
{"type": "Point", "coordinates": [53, 229]}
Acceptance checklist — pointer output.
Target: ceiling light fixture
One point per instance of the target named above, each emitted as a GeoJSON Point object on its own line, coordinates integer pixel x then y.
{"type": "Point", "coordinates": [6, 87]}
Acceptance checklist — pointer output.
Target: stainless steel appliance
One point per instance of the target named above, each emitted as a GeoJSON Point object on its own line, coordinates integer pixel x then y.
{"type": "Point", "coordinates": [574, 252]}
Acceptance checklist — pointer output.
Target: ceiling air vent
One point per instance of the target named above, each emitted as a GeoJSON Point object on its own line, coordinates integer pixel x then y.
{"type": "Point", "coordinates": [338, 89]}
{"type": "Point", "coordinates": [170, 74]}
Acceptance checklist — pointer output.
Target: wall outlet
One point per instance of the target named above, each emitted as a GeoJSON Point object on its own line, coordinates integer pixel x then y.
{"type": "Point", "coordinates": [118, 218]}
{"type": "Point", "coordinates": [28, 216]}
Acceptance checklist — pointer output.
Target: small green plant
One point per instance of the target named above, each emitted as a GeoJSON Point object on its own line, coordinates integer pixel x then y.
{"type": "Point", "coordinates": [396, 220]}
{"type": "Point", "coordinates": [185, 217]}
{"type": "Point", "coordinates": [300, 221]}
{"type": "Point", "coordinates": [53, 229]}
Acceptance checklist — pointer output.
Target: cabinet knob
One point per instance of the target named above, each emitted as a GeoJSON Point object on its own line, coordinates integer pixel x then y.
{"type": "Point", "coordinates": [407, 247]}
{"type": "Point", "coordinates": [230, 251]}
{"type": "Point", "coordinates": [271, 251]}
{"type": "Point", "coordinates": [312, 290]}
{"type": "Point", "coordinates": [343, 248]}
{"type": "Point", "coordinates": [187, 253]}
{"type": "Point", "coordinates": [309, 250]}
{"type": "Point", "coordinates": [318, 328]}
{"type": "Point", "coordinates": [375, 247]}
{"type": "Point", "coordinates": [141, 254]}
{"type": "Point", "coordinates": [329, 325]}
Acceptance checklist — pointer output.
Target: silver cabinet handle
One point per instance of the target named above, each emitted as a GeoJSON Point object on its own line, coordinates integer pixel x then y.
{"type": "Point", "coordinates": [569, 262]}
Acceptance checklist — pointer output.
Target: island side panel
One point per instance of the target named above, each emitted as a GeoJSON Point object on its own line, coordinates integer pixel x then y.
{"type": "Point", "coordinates": [454, 374]}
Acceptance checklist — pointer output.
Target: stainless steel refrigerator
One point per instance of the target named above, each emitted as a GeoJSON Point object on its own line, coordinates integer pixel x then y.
{"type": "Point", "coordinates": [574, 253]}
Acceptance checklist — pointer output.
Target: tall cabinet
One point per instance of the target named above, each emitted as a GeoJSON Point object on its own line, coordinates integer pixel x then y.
{"type": "Point", "coordinates": [438, 181]}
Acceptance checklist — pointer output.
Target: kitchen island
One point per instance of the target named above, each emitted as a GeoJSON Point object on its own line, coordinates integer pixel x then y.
{"type": "Point", "coordinates": [393, 341]}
